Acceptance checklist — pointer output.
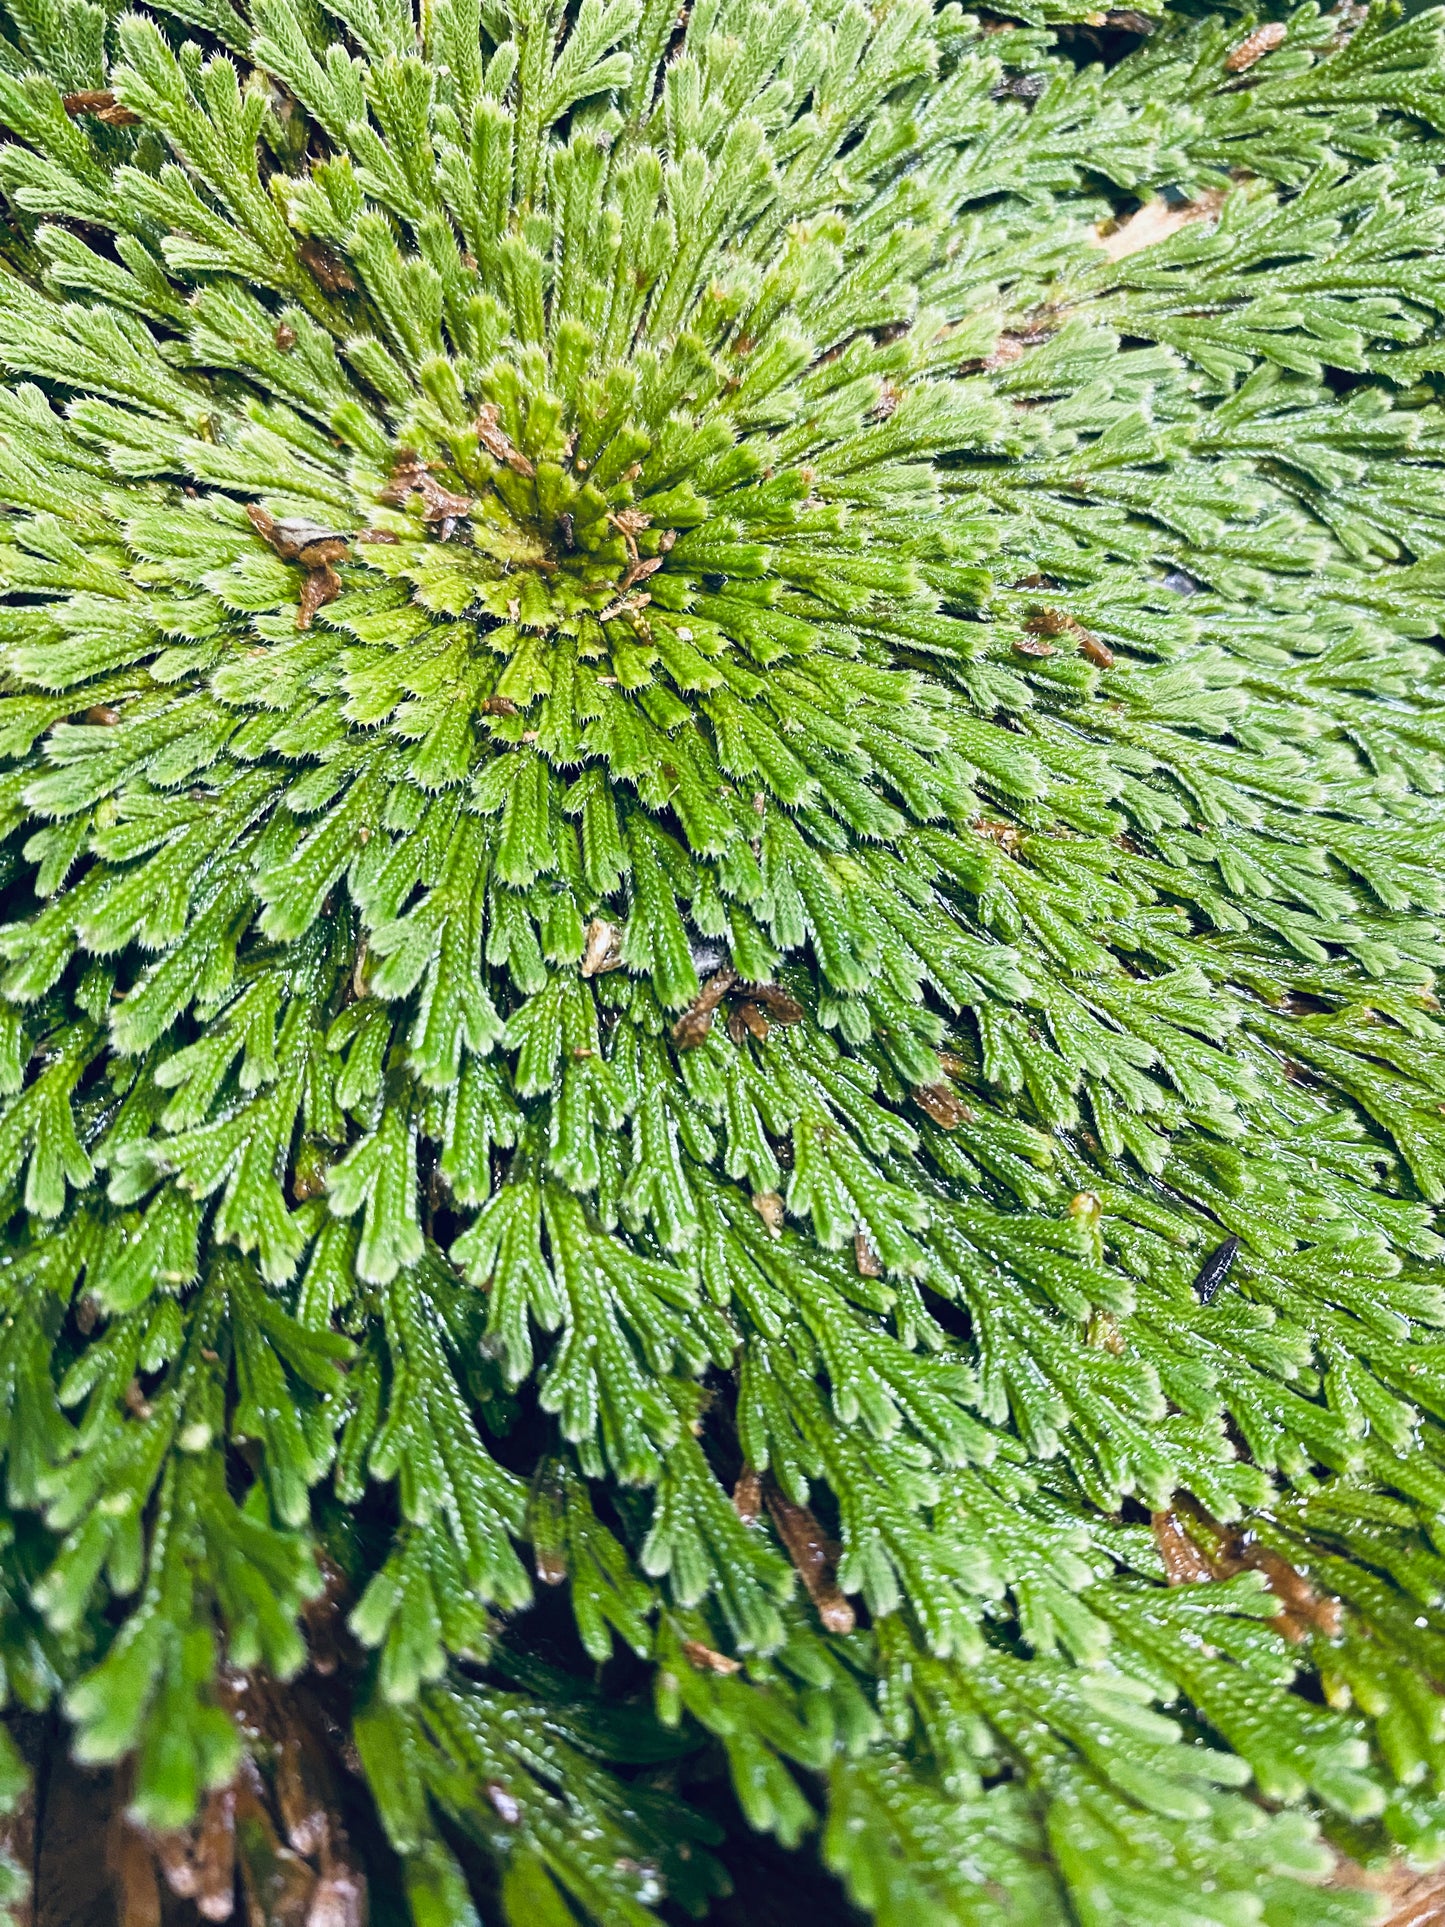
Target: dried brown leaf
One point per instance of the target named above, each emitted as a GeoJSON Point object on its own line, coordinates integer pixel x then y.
{"type": "Point", "coordinates": [639, 571]}
{"type": "Point", "coordinates": [691, 1029]}
{"type": "Point", "coordinates": [706, 1660]}
{"type": "Point", "coordinates": [101, 103]}
{"type": "Point", "coordinates": [748, 1020]}
{"type": "Point", "coordinates": [942, 1104]}
{"type": "Point", "coordinates": [1098, 653]}
{"type": "Point", "coordinates": [326, 267]}
{"type": "Point", "coordinates": [1184, 1563]}
{"type": "Point", "coordinates": [1155, 222]}
{"type": "Point", "coordinates": [769, 1207]}
{"type": "Point", "coordinates": [1255, 46]}
{"type": "Point", "coordinates": [781, 1008]}
{"type": "Point", "coordinates": [320, 587]}
{"type": "Point", "coordinates": [412, 476]}
{"type": "Point", "coordinates": [603, 951]}
{"type": "Point", "coordinates": [493, 438]}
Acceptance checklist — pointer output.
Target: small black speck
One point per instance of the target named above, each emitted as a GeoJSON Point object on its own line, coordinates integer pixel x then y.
{"type": "Point", "coordinates": [1214, 1270]}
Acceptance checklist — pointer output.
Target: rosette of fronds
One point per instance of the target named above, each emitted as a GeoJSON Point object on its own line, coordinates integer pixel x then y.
{"type": "Point", "coordinates": [722, 852]}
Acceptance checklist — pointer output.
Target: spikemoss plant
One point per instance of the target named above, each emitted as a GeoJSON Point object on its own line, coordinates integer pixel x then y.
{"type": "Point", "coordinates": [722, 853]}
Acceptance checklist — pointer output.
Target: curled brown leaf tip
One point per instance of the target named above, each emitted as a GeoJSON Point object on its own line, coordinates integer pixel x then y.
{"type": "Point", "coordinates": [639, 571]}
{"type": "Point", "coordinates": [1006, 835]}
{"type": "Point", "coordinates": [1102, 1332]}
{"type": "Point", "coordinates": [1046, 622]}
{"type": "Point", "coordinates": [1094, 651]}
{"type": "Point", "coordinates": [886, 406]}
{"type": "Point", "coordinates": [759, 1005]}
{"type": "Point", "coordinates": [495, 440]}
{"type": "Point", "coordinates": [624, 605]}
{"type": "Point", "coordinates": [313, 547]}
{"type": "Point", "coordinates": [320, 587]}
{"type": "Point", "coordinates": [412, 476]}
{"type": "Point", "coordinates": [1255, 46]}
{"type": "Point", "coordinates": [747, 1020]}
{"type": "Point", "coordinates": [102, 104]}
{"type": "Point", "coordinates": [865, 1258]}
{"type": "Point", "coordinates": [696, 1021]}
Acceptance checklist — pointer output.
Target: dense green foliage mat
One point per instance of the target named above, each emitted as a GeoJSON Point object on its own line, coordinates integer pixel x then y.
{"type": "Point", "coordinates": [722, 761]}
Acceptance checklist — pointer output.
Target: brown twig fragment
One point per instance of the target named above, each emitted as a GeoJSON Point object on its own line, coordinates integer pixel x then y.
{"type": "Point", "coordinates": [132, 1869]}
{"type": "Point", "coordinates": [1184, 1563]}
{"type": "Point", "coordinates": [813, 1555]}
{"type": "Point", "coordinates": [748, 1496]}
{"type": "Point", "coordinates": [1215, 1551]}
